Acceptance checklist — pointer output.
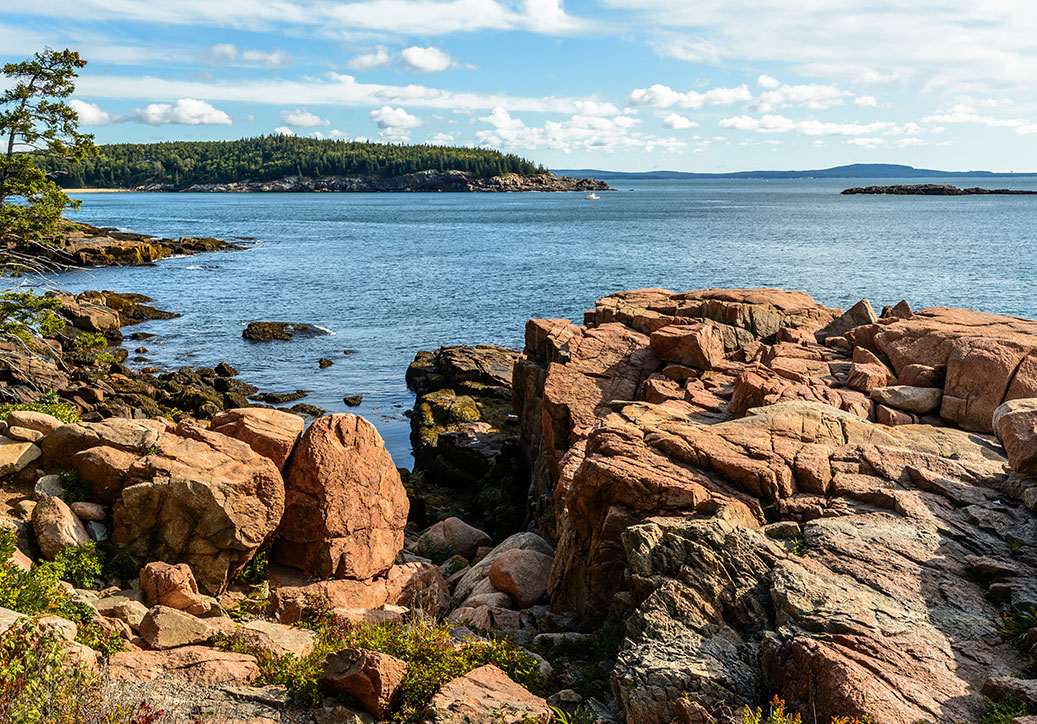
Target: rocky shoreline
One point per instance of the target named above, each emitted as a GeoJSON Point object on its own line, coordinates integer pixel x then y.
{"type": "Point", "coordinates": [690, 504]}
{"type": "Point", "coordinates": [934, 190]}
{"type": "Point", "coordinates": [81, 245]}
{"type": "Point", "coordinates": [422, 181]}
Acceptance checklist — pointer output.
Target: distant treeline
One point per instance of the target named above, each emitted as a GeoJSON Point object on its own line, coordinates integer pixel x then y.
{"type": "Point", "coordinates": [182, 163]}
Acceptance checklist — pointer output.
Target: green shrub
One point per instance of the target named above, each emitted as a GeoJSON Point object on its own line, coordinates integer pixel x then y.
{"type": "Point", "coordinates": [37, 686]}
{"type": "Point", "coordinates": [1015, 625]}
{"type": "Point", "coordinates": [40, 685]}
{"type": "Point", "coordinates": [256, 570]}
{"type": "Point", "coordinates": [47, 403]}
{"type": "Point", "coordinates": [91, 340]}
{"type": "Point", "coordinates": [80, 565]}
{"type": "Point", "coordinates": [432, 659]}
{"type": "Point", "coordinates": [36, 592]}
{"type": "Point", "coordinates": [778, 715]}
{"type": "Point", "coordinates": [1004, 710]}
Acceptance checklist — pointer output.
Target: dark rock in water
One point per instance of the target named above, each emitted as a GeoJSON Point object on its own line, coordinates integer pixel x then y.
{"type": "Point", "coordinates": [225, 370]}
{"type": "Point", "coordinates": [132, 309]}
{"type": "Point", "coordinates": [141, 336]}
{"type": "Point", "coordinates": [353, 400]}
{"type": "Point", "coordinates": [324, 363]}
{"type": "Point", "coordinates": [933, 190]}
{"type": "Point", "coordinates": [268, 331]}
{"type": "Point", "coordinates": [310, 410]}
{"type": "Point", "coordinates": [141, 350]}
{"type": "Point", "coordinates": [349, 351]}
{"type": "Point", "coordinates": [279, 398]}
{"type": "Point", "coordinates": [468, 461]}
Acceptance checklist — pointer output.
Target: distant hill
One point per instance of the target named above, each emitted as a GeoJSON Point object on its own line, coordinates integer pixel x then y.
{"type": "Point", "coordinates": [269, 158]}
{"type": "Point", "coordinates": [855, 170]}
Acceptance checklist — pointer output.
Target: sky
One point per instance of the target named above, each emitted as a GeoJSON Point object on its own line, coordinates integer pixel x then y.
{"type": "Point", "coordinates": [630, 85]}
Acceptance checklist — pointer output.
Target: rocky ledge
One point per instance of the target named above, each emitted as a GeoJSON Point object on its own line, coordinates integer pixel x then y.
{"type": "Point", "coordinates": [933, 190]}
{"type": "Point", "coordinates": [776, 498]}
{"type": "Point", "coordinates": [82, 245]}
{"type": "Point", "coordinates": [453, 181]}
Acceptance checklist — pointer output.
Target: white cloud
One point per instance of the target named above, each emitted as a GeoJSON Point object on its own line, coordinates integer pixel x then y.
{"type": "Point", "coordinates": [283, 131]}
{"type": "Point", "coordinates": [302, 117]}
{"type": "Point", "coordinates": [186, 111]}
{"type": "Point", "coordinates": [866, 142]}
{"type": "Point", "coordinates": [441, 139]}
{"type": "Point", "coordinates": [595, 108]}
{"type": "Point", "coordinates": [395, 123]}
{"type": "Point", "coordinates": [377, 58]}
{"type": "Point", "coordinates": [401, 17]}
{"type": "Point", "coordinates": [678, 122]}
{"type": "Point", "coordinates": [813, 96]}
{"type": "Point", "coordinates": [968, 114]}
{"type": "Point", "coordinates": [766, 81]}
{"type": "Point", "coordinates": [230, 54]}
{"type": "Point", "coordinates": [425, 60]}
{"type": "Point", "coordinates": [577, 133]}
{"type": "Point", "coordinates": [662, 96]}
{"type": "Point", "coordinates": [865, 102]}
{"type": "Point", "coordinates": [91, 114]}
{"type": "Point", "coordinates": [330, 89]}
{"type": "Point", "coordinates": [386, 117]}
{"type": "Point", "coordinates": [780, 124]}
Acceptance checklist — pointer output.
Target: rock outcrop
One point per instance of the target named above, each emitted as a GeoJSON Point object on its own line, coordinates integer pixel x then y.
{"type": "Point", "coordinates": [468, 460]}
{"type": "Point", "coordinates": [754, 527]}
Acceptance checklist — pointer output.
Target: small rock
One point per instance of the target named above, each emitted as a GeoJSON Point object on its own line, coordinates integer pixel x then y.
{"type": "Point", "coordinates": [522, 574]}
{"type": "Point", "coordinates": [334, 713]}
{"type": "Point", "coordinates": [453, 533]}
{"type": "Point", "coordinates": [97, 531]}
{"type": "Point", "coordinates": [23, 508]}
{"type": "Point", "coordinates": [56, 526]}
{"type": "Point", "coordinates": [912, 399]}
{"type": "Point", "coordinates": [24, 434]}
{"type": "Point", "coordinates": [859, 314]}
{"type": "Point", "coordinates": [1015, 423]}
{"type": "Point", "coordinates": [695, 345]}
{"type": "Point", "coordinates": [49, 486]}
{"type": "Point", "coordinates": [15, 455]}
{"type": "Point", "coordinates": [349, 351]}
{"type": "Point", "coordinates": [173, 587]}
{"type": "Point", "coordinates": [267, 331]}
{"type": "Point", "coordinates": [281, 639]}
{"type": "Point", "coordinates": [225, 370]}
{"type": "Point", "coordinates": [167, 628]}
{"type": "Point", "coordinates": [369, 677]}
{"type": "Point", "coordinates": [87, 512]}
{"type": "Point", "coordinates": [486, 696]}
{"type": "Point", "coordinates": [889, 416]}
{"type": "Point", "coordinates": [324, 363]}
{"type": "Point", "coordinates": [32, 420]}
{"type": "Point", "coordinates": [353, 400]}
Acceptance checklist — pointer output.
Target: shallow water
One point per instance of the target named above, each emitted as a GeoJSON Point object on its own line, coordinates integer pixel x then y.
{"type": "Point", "coordinates": [391, 274]}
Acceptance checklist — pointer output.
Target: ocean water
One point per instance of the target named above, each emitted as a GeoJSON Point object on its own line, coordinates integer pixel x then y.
{"type": "Point", "coordinates": [391, 274]}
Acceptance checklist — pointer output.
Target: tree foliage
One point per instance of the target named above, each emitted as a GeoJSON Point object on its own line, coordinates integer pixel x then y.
{"type": "Point", "coordinates": [34, 118]}
{"type": "Point", "coordinates": [268, 158]}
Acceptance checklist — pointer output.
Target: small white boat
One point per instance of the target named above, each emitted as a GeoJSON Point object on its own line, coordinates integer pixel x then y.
{"type": "Point", "coordinates": [592, 196]}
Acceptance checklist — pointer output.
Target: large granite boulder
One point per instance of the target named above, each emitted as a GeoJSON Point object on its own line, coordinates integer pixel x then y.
{"type": "Point", "coordinates": [186, 495]}
{"type": "Point", "coordinates": [486, 696]}
{"type": "Point", "coordinates": [345, 503]}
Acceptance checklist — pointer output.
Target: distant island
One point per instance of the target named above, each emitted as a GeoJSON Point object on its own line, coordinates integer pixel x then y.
{"type": "Point", "coordinates": [934, 190]}
{"type": "Point", "coordinates": [855, 170]}
{"type": "Point", "coordinates": [288, 163]}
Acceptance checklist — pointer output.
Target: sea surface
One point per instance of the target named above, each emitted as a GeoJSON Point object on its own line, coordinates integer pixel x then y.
{"type": "Point", "coordinates": [391, 274]}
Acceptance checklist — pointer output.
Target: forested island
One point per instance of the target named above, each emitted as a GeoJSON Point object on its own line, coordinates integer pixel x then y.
{"type": "Point", "coordinates": [287, 163]}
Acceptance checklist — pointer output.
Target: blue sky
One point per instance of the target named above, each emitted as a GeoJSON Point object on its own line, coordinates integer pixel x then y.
{"type": "Point", "coordinates": [709, 85]}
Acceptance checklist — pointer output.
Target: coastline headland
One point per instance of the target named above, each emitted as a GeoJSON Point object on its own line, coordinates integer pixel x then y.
{"type": "Point", "coordinates": [422, 181]}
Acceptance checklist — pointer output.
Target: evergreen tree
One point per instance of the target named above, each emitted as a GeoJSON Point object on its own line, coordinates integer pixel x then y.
{"type": "Point", "coordinates": [34, 117]}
